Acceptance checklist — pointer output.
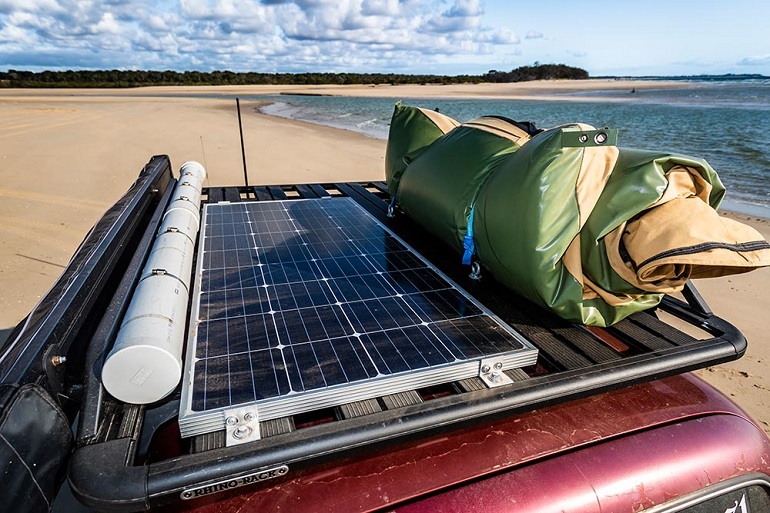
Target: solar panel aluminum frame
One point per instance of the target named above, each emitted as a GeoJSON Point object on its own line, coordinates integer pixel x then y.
{"type": "Point", "coordinates": [193, 422]}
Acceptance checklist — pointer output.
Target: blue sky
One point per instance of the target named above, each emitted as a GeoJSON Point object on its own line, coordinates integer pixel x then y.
{"type": "Point", "coordinates": [650, 37]}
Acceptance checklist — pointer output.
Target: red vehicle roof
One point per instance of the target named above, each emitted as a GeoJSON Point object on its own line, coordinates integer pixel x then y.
{"type": "Point", "coordinates": [511, 460]}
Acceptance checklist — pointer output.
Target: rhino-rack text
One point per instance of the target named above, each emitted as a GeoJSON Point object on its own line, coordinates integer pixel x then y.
{"type": "Point", "coordinates": [229, 484]}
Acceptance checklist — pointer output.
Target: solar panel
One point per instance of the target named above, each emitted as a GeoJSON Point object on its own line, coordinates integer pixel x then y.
{"type": "Point", "coordinates": [307, 304]}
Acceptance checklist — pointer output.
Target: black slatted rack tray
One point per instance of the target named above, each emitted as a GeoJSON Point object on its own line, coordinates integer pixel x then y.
{"type": "Point", "coordinates": [114, 464]}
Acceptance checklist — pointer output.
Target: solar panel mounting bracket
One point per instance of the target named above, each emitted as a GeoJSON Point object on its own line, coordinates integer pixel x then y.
{"type": "Point", "coordinates": [241, 425]}
{"type": "Point", "coordinates": [491, 373]}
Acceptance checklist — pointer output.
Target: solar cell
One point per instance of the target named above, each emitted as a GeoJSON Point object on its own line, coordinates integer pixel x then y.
{"type": "Point", "coordinates": [304, 304]}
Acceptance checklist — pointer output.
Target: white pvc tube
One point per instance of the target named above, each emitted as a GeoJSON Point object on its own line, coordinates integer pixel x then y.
{"type": "Point", "coordinates": [145, 364]}
{"type": "Point", "coordinates": [187, 192]}
{"type": "Point", "coordinates": [171, 254]}
{"type": "Point", "coordinates": [192, 167]}
{"type": "Point", "coordinates": [180, 220]}
{"type": "Point", "coordinates": [187, 197]}
{"type": "Point", "coordinates": [191, 179]}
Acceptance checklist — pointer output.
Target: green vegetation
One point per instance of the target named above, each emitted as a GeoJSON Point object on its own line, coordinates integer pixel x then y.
{"type": "Point", "coordinates": [118, 78]}
{"type": "Point", "coordinates": [536, 72]}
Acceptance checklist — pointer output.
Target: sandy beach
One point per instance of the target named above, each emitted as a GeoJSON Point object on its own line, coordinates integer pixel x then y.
{"type": "Point", "coordinates": [67, 155]}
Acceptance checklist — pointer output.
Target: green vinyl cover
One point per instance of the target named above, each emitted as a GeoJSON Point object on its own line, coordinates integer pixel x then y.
{"type": "Point", "coordinates": [411, 130]}
{"type": "Point", "coordinates": [596, 233]}
{"type": "Point", "coordinates": [567, 219]}
{"type": "Point", "coordinates": [443, 180]}
{"type": "Point", "coordinates": [534, 207]}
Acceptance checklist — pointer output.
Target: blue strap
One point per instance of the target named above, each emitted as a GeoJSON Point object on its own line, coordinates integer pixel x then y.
{"type": "Point", "coordinates": [468, 245]}
{"type": "Point", "coordinates": [393, 202]}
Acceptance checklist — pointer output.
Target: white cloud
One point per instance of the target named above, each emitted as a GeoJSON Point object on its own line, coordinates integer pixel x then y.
{"type": "Point", "coordinates": [379, 7]}
{"type": "Point", "coordinates": [463, 15]}
{"type": "Point", "coordinates": [22, 19]}
{"type": "Point", "coordinates": [266, 35]}
{"type": "Point", "coordinates": [465, 9]}
{"type": "Point", "coordinates": [158, 23]}
{"type": "Point", "coordinates": [15, 36]}
{"type": "Point", "coordinates": [501, 36]}
{"type": "Point", "coordinates": [757, 60]}
{"type": "Point", "coordinates": [208, 9]}
{"type": "Point", "coordinates": [28, 5]}
{"type": "Point", "coordinates": [443, 23]}
{"type": "Point", "coordinates": [107, 25]}
{"type": "Point", "coordinates": [533, 34]}
{"type": "Point", "coordinates": [164, 45]}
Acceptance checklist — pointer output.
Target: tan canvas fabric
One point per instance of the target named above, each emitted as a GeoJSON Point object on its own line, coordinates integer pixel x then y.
{"type": "Point", "coordinates": [598, 162]}
{"type": "Point", "coordinates": [684, 182]}
{"type": "Point", "coordinates": [500, 128]}
{"type": "Point", "coordinates": [681, 239]}
{"type": "Point", "coordinates": [591, 290]}
{"type": "Point", "coordinates": [444, 123]}
{"type": "Point", "coordinates": [595, 169]}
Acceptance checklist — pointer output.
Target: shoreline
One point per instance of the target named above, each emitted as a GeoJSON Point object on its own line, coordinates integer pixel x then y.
{"type": "Point", "coordinates": [531, 90]}
{"type": "Point", "coordinates": [67, 155]}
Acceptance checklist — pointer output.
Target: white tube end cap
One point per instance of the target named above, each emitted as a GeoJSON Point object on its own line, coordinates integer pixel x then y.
{"type": "Point", "coordinates": [141, 373]}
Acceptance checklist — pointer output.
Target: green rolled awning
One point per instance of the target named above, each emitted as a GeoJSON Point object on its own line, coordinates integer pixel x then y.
{"type": "Point", "coordinates": [569, 220]}
{"type": "Point", "coordinates": [442, 182]}
{"type": "Point", "coordinates": [411, 130]}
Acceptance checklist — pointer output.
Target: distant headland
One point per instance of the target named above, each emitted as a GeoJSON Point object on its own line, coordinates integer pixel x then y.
{"type": "Point", "coordinates": [139, 78]}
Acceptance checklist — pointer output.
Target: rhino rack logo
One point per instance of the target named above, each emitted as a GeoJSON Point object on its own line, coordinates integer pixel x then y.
{"type": "Point", "coordinates": [229, 484]}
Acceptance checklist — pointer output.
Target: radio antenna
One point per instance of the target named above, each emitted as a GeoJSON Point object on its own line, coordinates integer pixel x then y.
{"type": "Point", "coordinates": [243, 149]}
{"type": "Point", "coordinates": [203, 151]}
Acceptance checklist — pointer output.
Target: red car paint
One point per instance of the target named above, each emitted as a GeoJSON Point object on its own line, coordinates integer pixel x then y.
{"type": "Point", "coordinates": [627, 474]}
{"type": "Point", "coordinates": [620, 451]}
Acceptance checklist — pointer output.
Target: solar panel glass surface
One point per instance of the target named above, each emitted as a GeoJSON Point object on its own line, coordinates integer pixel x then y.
{"type": "Point", "coordinates": [309, 303]}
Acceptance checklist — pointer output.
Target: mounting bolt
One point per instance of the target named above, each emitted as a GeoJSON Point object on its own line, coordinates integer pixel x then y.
{"type": "Point", "coordinates": [498, 365]}
{"type": "Point", "coordinates": [231, 421]}
{"type": "Point", "coordinates": [248, 416]}
{"type": "Point", "coordinates": [241, 432]}
{"type": "Point", "coordinates": [494, 377]}
{"type": "Point", "coordinates": [486, 368]}
{"type": "Point", "coordinates": [58, 360]}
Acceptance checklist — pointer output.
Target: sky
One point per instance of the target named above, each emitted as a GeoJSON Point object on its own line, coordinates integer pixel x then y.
{"type": "Point", "coordinates": [452, 37]}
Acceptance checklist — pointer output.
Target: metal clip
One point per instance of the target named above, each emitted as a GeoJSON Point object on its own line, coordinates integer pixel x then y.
{"type": "Point", "coordinates": [491, 373]}
{"type": "Point", "coordinates": [241, 425]}
{"type": "Point", "coordinates": [475, 271]}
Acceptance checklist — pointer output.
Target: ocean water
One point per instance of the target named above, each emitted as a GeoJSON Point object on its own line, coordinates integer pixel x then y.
{"type": "Point", "coordinates": [725, 122]}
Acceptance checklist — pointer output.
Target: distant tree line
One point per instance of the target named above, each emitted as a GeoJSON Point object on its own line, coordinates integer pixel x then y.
{"type": "Point", "coordinates": [136, 78]}
{"type": "Point", "coordinates": [536, 72]}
